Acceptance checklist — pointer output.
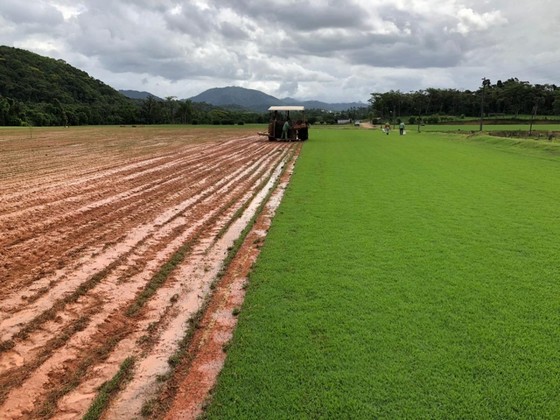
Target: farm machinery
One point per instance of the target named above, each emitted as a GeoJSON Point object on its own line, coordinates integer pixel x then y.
{"type": "Point", "coordinates": [283, 127]}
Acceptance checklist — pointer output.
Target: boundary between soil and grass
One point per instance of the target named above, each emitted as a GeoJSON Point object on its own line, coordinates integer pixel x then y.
{"type": "Point", "coordinates": [404, 277]}
{"type": "Point", "coordinates": [157, 405]}
{"type": "Point", "coordinates": [160, 403]}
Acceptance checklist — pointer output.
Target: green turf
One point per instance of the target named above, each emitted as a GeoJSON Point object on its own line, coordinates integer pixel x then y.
{"type": "Point", "coordinates": [468, 128]}
{"type": "Point", "coordinates": [404, 277]}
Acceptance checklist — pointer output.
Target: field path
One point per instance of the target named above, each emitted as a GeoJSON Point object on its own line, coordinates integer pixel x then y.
{"type": "Point", "coordinates": [111, 241]}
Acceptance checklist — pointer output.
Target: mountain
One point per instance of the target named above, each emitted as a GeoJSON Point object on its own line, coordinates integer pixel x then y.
{"type": "Point", "coordinates": [43, 91]}
{"type": "Point", "coordinates": [255, 100]}
{"type": "Point", "coordinates": [337, 107]}
{"type": "Point", "coordinates": [55, 93]}
{"type": "Point", "coordinates": [135, 94]}
{"type": "Point", "coordinates": [233, 96]}
{"type": "Point", "coordinates": [29, 77]}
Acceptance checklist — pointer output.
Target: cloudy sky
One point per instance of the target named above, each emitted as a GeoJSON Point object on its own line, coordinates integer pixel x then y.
{"type": "Point", "coordinates": [330, 50]}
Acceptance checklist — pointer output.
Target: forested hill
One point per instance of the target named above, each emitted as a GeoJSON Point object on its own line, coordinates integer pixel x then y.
{"type": "Point", "coordinates": [55, 93]}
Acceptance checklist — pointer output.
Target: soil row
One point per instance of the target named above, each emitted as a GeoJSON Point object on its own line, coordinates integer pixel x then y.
{"type": "Point", "coordinates": [111, 244]}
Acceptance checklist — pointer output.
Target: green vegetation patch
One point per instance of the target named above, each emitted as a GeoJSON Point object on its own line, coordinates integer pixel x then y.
{"type": "Point", "coordinates": [404, 277]}
{"type": "Point", "coordinates": [475, 128]}
{"type": "Point", "coordinates": [108, 390]}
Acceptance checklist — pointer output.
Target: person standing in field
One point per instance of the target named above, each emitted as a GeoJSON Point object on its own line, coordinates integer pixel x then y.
{"type": "Point", "coordinates": [387, 128]}
{"type": "Point", "coordinates": [285, 129]}
{"type": "Point", "coordinates": [401, 128]}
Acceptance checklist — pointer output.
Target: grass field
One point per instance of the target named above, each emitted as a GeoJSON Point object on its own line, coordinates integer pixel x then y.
{"type": "Point", "coordinates": [404, 277]}
{"type": "Point", "coordinates": [486, 127]}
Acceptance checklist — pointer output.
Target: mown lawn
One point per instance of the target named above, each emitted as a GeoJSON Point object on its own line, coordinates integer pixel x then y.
{"type": "Point", "coordinates": [487, 126]}
{"type": "Point", "coordinates": [404, 277]}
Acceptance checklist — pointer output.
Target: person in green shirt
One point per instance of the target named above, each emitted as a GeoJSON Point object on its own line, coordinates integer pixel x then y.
{"type": "Point", "coordinates": [285, 129]}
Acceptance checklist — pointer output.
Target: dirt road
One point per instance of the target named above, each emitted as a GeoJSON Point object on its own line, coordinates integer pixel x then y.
{"type": "Point", "coordinates": [112, 248]}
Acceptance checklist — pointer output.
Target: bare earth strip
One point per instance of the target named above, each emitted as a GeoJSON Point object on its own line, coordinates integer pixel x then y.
{"type": "Point", "coordinates": [110, 241]}
{"type": "Point", "coordinates": [195, 380]}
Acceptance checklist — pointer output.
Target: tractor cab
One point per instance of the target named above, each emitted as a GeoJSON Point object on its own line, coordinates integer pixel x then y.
{"type": "Point", "coordinates": [296, 128]}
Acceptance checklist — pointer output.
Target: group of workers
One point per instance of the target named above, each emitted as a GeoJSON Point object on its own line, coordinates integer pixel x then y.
{"type": "Point", "coordinates": [289, 130]}
{"type": "Point", "coordinates": [387, 128]}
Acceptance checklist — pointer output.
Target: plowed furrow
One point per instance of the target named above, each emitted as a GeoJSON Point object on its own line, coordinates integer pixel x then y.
{"type": "Point", "coordinates": [120, 183]}
{"type": "Point", "coordinates": [95, 264]}
{"type": "Point", "coordinates": [107, 283]}
{"type": "Point", "coordinates": [56, 179]}
{"type": "Point", "coordinates": [95, 215]}
{"type": "Point", "coordinates": [193, 280]}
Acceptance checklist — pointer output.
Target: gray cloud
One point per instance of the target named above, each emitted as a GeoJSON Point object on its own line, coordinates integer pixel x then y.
{"type": "Point", "coordinates": [299, 15]}
{"type": "Point", "coordinates": [326, 49]}
{"type": "Point", "coordinates": [41, 14]}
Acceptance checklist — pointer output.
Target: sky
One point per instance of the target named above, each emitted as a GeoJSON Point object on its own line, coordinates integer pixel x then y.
{"type": "Point", "coordinates": [328, 50]}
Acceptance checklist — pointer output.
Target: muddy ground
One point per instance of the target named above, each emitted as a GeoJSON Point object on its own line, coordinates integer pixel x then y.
{"type": "Point", "coordinates": [117, 249]}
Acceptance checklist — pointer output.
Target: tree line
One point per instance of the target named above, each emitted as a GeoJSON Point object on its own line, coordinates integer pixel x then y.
{"type": "Point", "coordinates": [151, 110]}
{"type": "Point", "coordinates": [42, 91]}
{"type": "Point", "coordinates": [512, 97]}
{"type": "Point", "coordinates": [173, 111]}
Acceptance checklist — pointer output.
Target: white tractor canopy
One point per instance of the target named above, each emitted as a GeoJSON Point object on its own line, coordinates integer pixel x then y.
{"type": "Point", "coordinates": [287, 108]}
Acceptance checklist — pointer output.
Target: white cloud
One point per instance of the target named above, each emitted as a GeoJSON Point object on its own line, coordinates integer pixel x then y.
{"type": "Point", "coordinates": [69, 9]}
{"type": "Point", "coordinates": [470, 21]}
{"type": "Point", "coordinates": [328, 50]}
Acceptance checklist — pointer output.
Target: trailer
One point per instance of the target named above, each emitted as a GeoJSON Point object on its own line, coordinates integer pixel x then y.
{"type": "Point", "coordinates": [297, 127]}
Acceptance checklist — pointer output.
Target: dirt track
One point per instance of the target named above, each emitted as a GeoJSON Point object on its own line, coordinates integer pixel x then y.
{"type": "Point", "coordinates": [111, 241]}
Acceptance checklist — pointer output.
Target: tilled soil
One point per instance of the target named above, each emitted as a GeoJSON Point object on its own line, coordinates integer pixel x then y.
{"type": "Point", "coordinates": [112, 248]}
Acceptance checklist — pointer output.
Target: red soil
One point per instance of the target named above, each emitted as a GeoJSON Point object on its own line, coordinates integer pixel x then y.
{"type": "Point", "coordinates": [88, 218]}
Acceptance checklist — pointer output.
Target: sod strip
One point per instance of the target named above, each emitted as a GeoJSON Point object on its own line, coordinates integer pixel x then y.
{"type": "Point", "coordinates": [109, 389]}
{"type": "Point", "coordinates": [404, 277]}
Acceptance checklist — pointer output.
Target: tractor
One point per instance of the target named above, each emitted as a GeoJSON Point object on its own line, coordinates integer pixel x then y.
{"type": "Point", "coordinates": [296, 129]}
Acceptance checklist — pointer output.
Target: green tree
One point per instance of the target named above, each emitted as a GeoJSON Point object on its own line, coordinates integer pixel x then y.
{"type": "Point", "coordinates": [170, 107]}
{"type": "Point", "coordinates": [185, 111]}
{"type": "Point", "coordinates": [4, 110]}
{"type": "Point", "coordinates": [151, 111]}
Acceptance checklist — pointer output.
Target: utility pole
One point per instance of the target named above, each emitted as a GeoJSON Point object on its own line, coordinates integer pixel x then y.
{"type": "Point", "coordinates": [485, 83]}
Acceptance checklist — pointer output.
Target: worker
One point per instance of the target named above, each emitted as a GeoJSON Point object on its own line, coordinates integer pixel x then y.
{"type": "Point", "coordinates": [285, 129]}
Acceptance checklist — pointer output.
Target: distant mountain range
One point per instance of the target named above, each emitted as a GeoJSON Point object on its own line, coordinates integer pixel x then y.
{"type": "Point", "coordinates": [258, 101]}
{"type": "Point", "coordinates": [250, 99]}
{"type": "Point", "coordinates": [135, 94]}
